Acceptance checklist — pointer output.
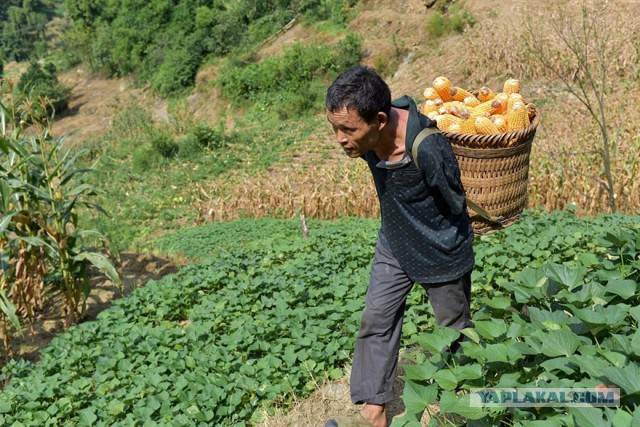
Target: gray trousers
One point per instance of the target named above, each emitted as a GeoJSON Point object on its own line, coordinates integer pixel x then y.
{"type": "Point", "coordinates": [375, 359]}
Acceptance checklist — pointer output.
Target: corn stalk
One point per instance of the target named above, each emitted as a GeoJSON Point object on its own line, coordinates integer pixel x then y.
{"type": "Point", "coordinates": [42, 188]}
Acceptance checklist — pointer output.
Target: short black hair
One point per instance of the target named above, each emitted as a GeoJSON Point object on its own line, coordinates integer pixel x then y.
{"type": "Point", "coordinates": [362, 89]}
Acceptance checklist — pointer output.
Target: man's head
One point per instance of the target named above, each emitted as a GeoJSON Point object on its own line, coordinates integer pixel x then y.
{"type": "Point", "coordinates": [360, 89]}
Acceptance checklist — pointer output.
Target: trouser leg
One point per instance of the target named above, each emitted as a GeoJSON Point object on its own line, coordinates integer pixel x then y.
{"type": "Point", "coordinates": [451, 304]}
{"type": "Point", "coordinates": [375, 357]}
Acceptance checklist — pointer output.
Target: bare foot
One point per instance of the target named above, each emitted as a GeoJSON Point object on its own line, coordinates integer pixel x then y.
{"type": "Point", "coordinates": [375, 414]}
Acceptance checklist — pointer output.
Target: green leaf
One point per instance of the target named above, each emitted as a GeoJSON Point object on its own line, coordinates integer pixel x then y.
{"type": "Point", "coordinates": [417, 396]}
{"type": "Point", "coordinates": [471, 334]}
{"type": "Point", "coordinates": [115, 407]}
{"type": "Point", "coordinates": [635, 313]}
{"type": "Point", "coordinates": [627, 377]}
{"type": "Point", "coordinates": [87, 417]}
{"type": "Point", "coordinates": [624, 288]}
{"type": "Point", "coordinates": [498, 303]}
{"type": "Point", "coordinates": [565, 275]}
{"type": "Point", "coordinates": [490, 329]}
{"type": "Point", "coordinates": [588, 417]}
{"type": "Point", "coordinates": [423, 371]}
{"type": "Point", "coordinates": [461, 405]}
{"type": "Point", "coordinates": [468, 372]}
{"type": "Point", "coordinates": [560, 343]}
{"type": "Point", "coordinates": [102, 263]}
{"type": "Point", "coordinates": [446, 379]}
{"type": "Point", "coordinates": [438, 340]}
{"type": "Point", "coordinates": [9, 310]}
{"type": "Point", "coordinates": [622, 418]}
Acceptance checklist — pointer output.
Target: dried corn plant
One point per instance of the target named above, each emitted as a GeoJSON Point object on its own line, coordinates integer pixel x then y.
{"type": "Point", "coordinates": [41, 190]}
{"type": "Point", "coordinates": [328, 191]}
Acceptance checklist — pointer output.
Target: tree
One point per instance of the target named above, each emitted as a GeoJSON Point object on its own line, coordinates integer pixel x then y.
{"type": "Point", "coordinates": [581, 53]}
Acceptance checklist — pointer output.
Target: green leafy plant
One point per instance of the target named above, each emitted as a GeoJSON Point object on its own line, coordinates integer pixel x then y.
{"type": "Point", "coordinates": [42, 82]}
{"type": "Point", "coordinates": [555, 308]}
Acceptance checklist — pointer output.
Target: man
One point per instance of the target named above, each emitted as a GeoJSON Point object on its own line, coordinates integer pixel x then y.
{"type": "Point", "coordinates": [425, 235]}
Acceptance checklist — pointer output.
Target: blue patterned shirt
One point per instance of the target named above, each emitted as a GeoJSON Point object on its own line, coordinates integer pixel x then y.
{"type": "Point", "coordinates": [425, 223]}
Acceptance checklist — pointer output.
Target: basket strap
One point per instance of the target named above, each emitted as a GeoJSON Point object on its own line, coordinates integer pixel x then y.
{"type": "Point", "coordinates": [470, 203]}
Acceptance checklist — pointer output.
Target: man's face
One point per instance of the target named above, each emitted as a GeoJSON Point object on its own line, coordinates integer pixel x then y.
{"type": "Point", "coordinates": [353, 133]}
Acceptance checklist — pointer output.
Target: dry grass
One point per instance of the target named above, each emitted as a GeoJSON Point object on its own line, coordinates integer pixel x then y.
{"type": "Point", "coordinates": [327, 191]}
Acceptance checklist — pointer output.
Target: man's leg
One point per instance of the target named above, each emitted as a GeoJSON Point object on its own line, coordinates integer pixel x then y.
{"type": "Point", "coordinates": [451, 303]}
{"type": "Point", "coordinates": [375, 357]}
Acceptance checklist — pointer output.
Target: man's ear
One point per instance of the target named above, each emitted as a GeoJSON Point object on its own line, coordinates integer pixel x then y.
{"type": "Point", "coordinates": [382, 120]}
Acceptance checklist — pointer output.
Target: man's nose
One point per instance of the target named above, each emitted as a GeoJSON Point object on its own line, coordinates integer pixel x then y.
{"type": "Point", "coordinates": [341, 137]}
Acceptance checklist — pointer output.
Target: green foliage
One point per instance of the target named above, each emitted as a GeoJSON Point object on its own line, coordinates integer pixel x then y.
{"type": "Point", "coordinates": [554, 307]}
{"type": "Point", "coordinates": [42, 82]}
{"type": "Point", "coordinates": [450, 19]}
{"type": "Point", "coordinates": [288, 83]}
{"type": "Point", "coordinates": [258, 324]}
{"type": "Point", "coordinates": [22, 28]}
{"type": "Point", "coordinates": [165, 42]}
{"type": "Point", "coordinates": [164, 144]}
{"type": "Point", "coordinates": [264, 314]}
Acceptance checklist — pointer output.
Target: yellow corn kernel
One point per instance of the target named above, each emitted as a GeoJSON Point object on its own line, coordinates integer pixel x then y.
{"type": "Point", "coordinates": [429, 106]}
{"type": "Point", "coordinates": [432, 115]}
{"type": "Point", "coordinates": [511, 99]}
{"type": "Point", "coordinates": [484, 126]}
{"type": "Point", "coordinates": [500, 122]}
{"type": "Point", "coordinates": [446, 120]}
{"type": "Point", "coordinates": [455, 128]}
{"type": "Point", "coordinates": [511, 86]}
{"type": "Point", "coordinates": [430, 94]}
{"type": "Point", "coordinates": [442, 85]}
{"type": "Point", "coordinates": [517, 118]}
{"type": "Point", "coordinates": [459, 94]}
{"type": "Point", "coordinates": [485, 94]}
{"type": "Point", "coordinates": [471, 101]}
{"type": "Point", "coordinates": [468, 126]}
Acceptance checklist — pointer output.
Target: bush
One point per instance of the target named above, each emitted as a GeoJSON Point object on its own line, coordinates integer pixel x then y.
{"type": "Point", "coordinates": [42, 82]}
{"type": "Point", "coordinates": [454, 19]}
{"type": "Point", "coordinates": [177, 72]}
{"type": "Point", "coordinates": [164, 144]}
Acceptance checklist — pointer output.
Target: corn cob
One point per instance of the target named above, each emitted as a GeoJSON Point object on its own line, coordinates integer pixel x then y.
{"type": "Point", "coordinates": [468, 126]}
{"type": "Point", "coordinates": [446, 120]}
{"type": "Point", "coordinates": [492, 106]}
{"type": "Point", "coordinates": [485, 94]}
{"type": "Point", "coordinates": [432, 115]}
{"type": "Point", "coordinates": [459, 94]}
{"type": "Point", "coordinates": [500, 122]}
{"type": "Point", "coordinates": [429, 106]}
{"type": "Point", "coordinates": [471, 101]}
{"type": "Point", "coordinates": [511, 86]}
{"type": "Point", "coordinates": [511, 99]}
{"type": "Point", "coordinates": [484, 126]}
{"type": "Point", "coordinates": [442, 85]}
{"type": "Point", "coordinates": [517, 118]}
{"type": "Point", "coordinates": [430, 94]}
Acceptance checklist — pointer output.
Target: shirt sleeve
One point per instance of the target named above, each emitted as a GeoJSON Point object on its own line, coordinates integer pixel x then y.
{"type": "Point", "coordinates": [442, 173]}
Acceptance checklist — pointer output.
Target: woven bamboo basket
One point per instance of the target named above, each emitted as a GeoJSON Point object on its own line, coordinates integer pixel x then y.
{"type": "Point", "coordinates": [496, 179]}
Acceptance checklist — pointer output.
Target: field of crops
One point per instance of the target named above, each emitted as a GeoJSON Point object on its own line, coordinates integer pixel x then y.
{"type": "Point", "coordinates": [263, 315]}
